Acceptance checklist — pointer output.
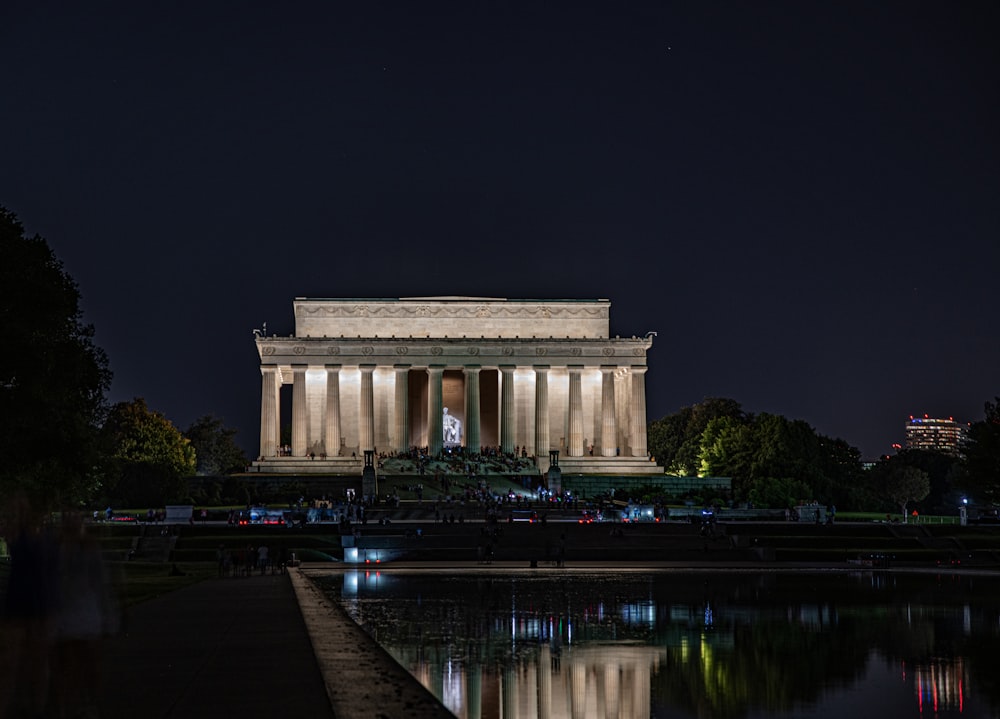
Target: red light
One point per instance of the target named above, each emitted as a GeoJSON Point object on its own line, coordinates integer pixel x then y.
{"type": "Point", "coordinates": [368, 561]}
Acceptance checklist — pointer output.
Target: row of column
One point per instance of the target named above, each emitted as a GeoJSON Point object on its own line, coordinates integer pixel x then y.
{"type": "Point", "coordinates": [270, 431]}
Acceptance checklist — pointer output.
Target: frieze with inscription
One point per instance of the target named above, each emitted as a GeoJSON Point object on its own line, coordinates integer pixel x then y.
{"type": "Point", "coordinates": [521, 351]}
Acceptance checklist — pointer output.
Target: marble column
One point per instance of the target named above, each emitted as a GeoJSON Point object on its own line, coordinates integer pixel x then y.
{"type": "Point", "coordinates": [637, 421]}
{"type": "Point", "coordinates": [435, 410]}
{"type": "Point", "coordinates": [300, 418]}
{"type": "Point", "coordinates": [575, 448]}
{"type": "Point", "coordinates": [366, 413]}
{"type": "Point", "coordinates": [270, 398]}
{"type": "Point", "coordinates": [507, 409]}
{"type": "Point", "coordinates": [401, 407]}
{"type": "Point", "coordinates": [609, 430]}
{"type": "Point", "coordinates": [472, 442]}
{"type": "Point", "coordinates": [331, 442]}
{"type": "Point", "coordinates": [542, 444]}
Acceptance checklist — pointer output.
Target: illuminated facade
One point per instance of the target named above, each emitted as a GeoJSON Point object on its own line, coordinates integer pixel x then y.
{"type": "Point", "coordinates": [392, 374]}
{"type": "Point", "coordinates": [939, 435]}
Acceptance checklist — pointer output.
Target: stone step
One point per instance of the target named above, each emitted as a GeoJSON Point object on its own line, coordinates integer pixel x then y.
{"type": "Point", "coordinates": [350, 466]}
{"type": "Point", "coordinates": [609, 466]}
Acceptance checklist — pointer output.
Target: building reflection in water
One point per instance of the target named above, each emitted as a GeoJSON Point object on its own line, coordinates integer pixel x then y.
{"type": "Point", "coordinates": [556, 681]}
{"type": "Point", "coordinates": [503, 648]}
{"type": "Point", "coordinates": [940, 685]}
{"type": "Point", "coordinates": [588, 682]}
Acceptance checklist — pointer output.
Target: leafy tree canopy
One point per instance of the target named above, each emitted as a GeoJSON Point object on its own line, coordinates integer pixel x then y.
{"type": "Point", "coordinates": [215, 447]}
{"type": "Point", "coordinates": [767, 449]}
{"type": "Point", "coordinates": [900, 483]}
{"type": "Point", "coordinates": [777, 493]}
{"type": "Point", "coordinates": [146, 457]}
{"type": "Point", "coordinates": [53, 378]}
{"type": "Point", "coordinates": [982, 465]}
{"type": "Point", "coordinates": [944, 472]}
{"type": "Point", "coordinates": [675, 440]}
{"type": "Point", "coordinates": [717, 438]}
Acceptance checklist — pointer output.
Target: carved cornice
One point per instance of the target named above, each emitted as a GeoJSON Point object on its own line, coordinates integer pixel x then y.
{"type": "Point", "coordinates": [451, 310]}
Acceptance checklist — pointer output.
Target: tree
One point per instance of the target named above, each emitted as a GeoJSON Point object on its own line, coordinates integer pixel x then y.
{"type": "Point", "coordinates": [146, 457]}
{"type": "Point", "coordinates": [756, 451]}
{"type": "Point", "coordinates": [777, 493]}
{"type": "Point", "coordinates": [215, 447]}
{"type": "Point", "coordinates": [664, 436]}
{"type": "Point", "coordinates": [901, 483]}
{"type": "Point", "coordinates": [727, 447]}
{"type": "Point", "coordinates": [717, 438]}
{"type": "Point", "coordinates": [675, 440]}
{"type": "Point", "coordinates": [982, 463]}
{"type": "Point", "coordinates": [53, 378]}
{"type": "Point", "coordinates": [788, 449]}
{"type": "Point", "coordinates": [941, 470]}
{"type": "Point", "coordinates": [845, 485]}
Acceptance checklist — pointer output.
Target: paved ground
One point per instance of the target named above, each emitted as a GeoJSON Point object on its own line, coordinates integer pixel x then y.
{"type": "Point", "coordinates": [253, 647]}
{"type": "Point", "coordinates": [222, 647]}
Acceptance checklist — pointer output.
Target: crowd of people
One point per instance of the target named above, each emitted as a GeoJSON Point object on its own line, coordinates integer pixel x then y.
{"type": "Point", "coordinates": [245, 561]}
{"type": "Point", "coordinates": [457, 460]}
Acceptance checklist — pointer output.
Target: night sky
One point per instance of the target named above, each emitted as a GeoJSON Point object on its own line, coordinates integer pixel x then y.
{"type": "Point", "coordinates": [802, 199]}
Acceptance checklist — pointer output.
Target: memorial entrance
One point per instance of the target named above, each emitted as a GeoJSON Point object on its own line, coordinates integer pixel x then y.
{"type": "Point", "coordinates": [518, 377]}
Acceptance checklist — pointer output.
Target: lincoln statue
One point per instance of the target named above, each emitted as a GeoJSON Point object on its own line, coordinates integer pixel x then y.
{"type": "Point", "coordinates": [391, 374]}
{"type": "Point", "coordinates": [452, 429]}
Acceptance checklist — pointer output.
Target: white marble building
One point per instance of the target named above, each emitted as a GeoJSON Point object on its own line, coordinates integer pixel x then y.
{"type": "Point", "coordinates": [531, 375]}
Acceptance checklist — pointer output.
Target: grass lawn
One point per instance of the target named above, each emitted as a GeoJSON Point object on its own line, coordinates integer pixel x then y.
{"type": "Point", "coordinates": [895, 517]}
{"type": "Point", "coordinates": [140, 581]}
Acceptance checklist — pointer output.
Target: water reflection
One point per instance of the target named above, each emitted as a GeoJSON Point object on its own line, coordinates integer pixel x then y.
{"type": "Point", "coordinates": [629, 645]}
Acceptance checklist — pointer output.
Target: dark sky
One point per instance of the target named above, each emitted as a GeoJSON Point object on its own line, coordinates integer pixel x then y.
{"type": "Point", "coordinates": [802, 199]}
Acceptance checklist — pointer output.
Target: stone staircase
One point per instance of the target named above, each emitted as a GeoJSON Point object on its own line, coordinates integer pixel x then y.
{"type": "Point", "coordinates": [609, 466]}
{"type": "Point", "coordinates": [352, 466]}
{"type": "Point", "coordinates": [345, 466]}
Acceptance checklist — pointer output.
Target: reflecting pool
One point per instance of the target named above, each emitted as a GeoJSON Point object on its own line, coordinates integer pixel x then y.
{"type": "Point", "coordinates": [624, 645]}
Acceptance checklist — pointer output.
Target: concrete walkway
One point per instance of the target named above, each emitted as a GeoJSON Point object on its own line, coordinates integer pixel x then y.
{"type": "Point", "coordinates": [222, 647]}
{"type": "Point", "coordinates": [256, 646]}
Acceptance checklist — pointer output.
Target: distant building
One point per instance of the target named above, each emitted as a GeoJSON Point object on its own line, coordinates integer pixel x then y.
{"type": "Point", "coordinates": [940, 435]}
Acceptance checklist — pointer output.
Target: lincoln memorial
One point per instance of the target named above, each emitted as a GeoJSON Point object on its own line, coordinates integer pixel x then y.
{"type": "Point", "coordinates": [390, 374]}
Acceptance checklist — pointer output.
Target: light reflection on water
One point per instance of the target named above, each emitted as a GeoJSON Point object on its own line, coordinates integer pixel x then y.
{"type": "Point", "coordinates": [673, 644]}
